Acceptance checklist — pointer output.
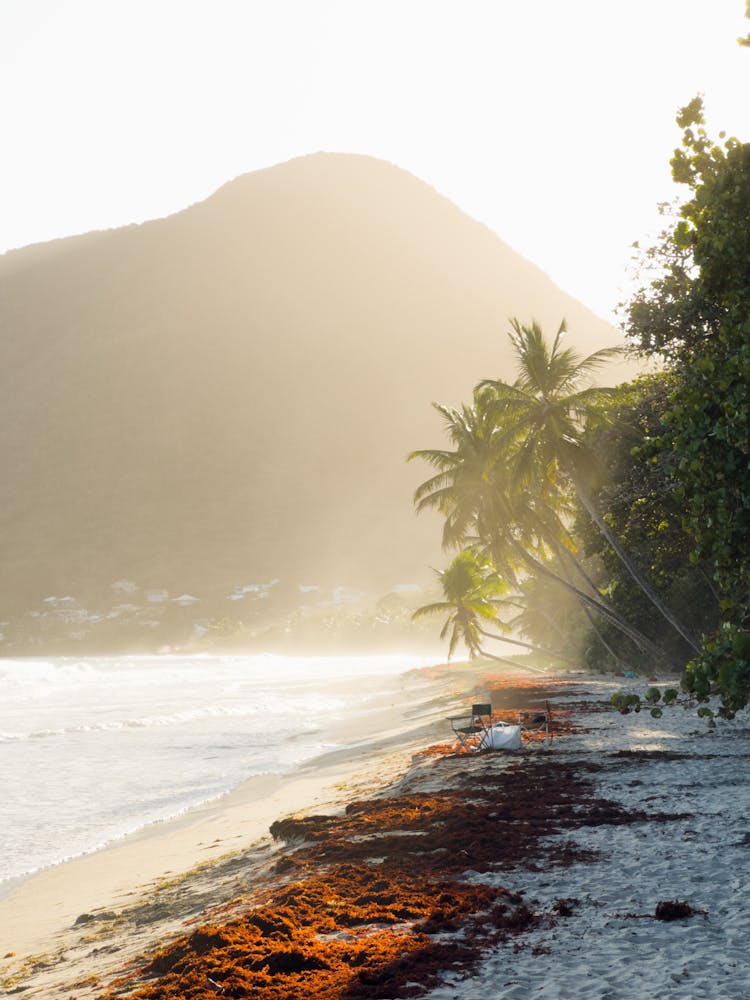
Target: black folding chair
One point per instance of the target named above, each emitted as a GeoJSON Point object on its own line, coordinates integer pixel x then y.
{"type": "Point", "coordinates": [469, 728]}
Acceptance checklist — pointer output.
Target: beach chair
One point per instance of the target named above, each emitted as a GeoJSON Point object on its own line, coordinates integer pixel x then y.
{"type": "Point", "coordinates": [470, 728]}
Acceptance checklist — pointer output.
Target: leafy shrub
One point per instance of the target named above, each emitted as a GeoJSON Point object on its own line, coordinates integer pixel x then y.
{"type": "Point", "coordinates": [723, 668]}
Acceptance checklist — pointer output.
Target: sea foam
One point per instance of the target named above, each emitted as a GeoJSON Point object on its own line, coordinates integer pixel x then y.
{"type": "Point", "coordinates": [94, 749]}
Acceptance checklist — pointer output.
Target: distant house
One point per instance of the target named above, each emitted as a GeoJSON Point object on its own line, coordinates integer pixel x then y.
{"type": "Point", "coordinates": [258, 590]}
{"type": "Point", "coordinates": [65, 609]}
{"type": "Point", "coordinates": [123, 609]}
{"type": "Point", "coordinates": [185, 600]}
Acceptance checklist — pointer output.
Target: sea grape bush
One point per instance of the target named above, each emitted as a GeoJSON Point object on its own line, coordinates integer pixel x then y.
{"type": "Point", "coordinates": [698, 688]}
{"type": "Point", "coordinates": [723, 668]}
{"type": "Point", "coordinates": [626, 702]}
{"type": "Point", "coordinates": [695, 315]}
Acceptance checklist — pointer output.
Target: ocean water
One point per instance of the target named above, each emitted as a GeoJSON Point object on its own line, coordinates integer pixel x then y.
{"type": "Point", "coordinates": [94, 749]}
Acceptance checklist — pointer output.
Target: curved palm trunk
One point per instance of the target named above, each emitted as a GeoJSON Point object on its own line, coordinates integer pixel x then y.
{"type": "Point", "coordinates": [602, 640]}
{"type": "Point", "coordinates": [528, 645]}
{"type": "Point", "coordinates": [564, 556]}
{"type": "Point", "coordinates": [641, 641]}
{"type": "Point", "coordinates": [587, 610]}
{"type": "Point", "coordinates": [554, 626]}
{"type": "Point", "coordinates": [710, 584]}
{"type": "Point", "coordinates": [629, 565]}
{"type": "Point", "coordinates": [510, 663]}
{"type": "Point", "coordinates": [576, 564]}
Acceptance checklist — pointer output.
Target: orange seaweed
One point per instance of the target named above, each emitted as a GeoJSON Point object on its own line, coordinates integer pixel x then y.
{"type": "Point", "coordinates": [375, 902]}
{"type": "Point", "coordinates": [345, 932]}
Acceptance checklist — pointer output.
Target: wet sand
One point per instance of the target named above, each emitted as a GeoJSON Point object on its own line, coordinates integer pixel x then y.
{"type": "Point", "coordinates": [38, 915]}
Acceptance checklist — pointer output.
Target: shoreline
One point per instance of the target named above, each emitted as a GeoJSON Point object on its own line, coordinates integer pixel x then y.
{"type": "Point", "coordinates": [37, 909]}
{"type": "Point", "coordinates": [461, 875]}
{"type": "Point", "coordinates": [87, 763]}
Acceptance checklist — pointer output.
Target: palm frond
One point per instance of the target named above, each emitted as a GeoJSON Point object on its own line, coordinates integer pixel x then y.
{"type": "Point", "coordinates": [436, 608]}
{"type": "Point", "coordinates": [438, 457]}
{"type": "Point", "coordinates": [439, 484]}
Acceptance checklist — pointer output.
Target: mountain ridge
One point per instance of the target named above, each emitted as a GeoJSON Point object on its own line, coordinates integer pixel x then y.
{"type": "Point", "coordinates": [226, 395]}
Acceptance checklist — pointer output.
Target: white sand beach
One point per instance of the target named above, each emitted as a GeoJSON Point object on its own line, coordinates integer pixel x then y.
{"type": "Point", "coordinates": [609, 946]}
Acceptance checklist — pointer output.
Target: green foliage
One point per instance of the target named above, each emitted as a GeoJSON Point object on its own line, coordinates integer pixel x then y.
{"type": "Point", "coordinates": [636, 494]}
{"type": "Point", "coordinates": [710, 431]}
{"type": "Point", "coordinates": [507, 486]}
{"type": "Point", "coordinates": [702, 257]}
{"type": "Point", "coordinates": [709, 420]}
{"type": "Point", "coordinates": [723, 667]}
{"type": "Point", "coordinates": [722, 670]}
{"type": "Point", "coordinates": [472, 593]}
{"type": "Point", "coordinates": [625, 703]}
{"type": "Point", "coordinates": [697, 315]}
{"type": "Point", "coordinates": [746, 40]}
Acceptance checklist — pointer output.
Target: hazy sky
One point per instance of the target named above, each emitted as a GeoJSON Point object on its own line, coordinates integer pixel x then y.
{"type": "Point", "coordinates": [552, 121]}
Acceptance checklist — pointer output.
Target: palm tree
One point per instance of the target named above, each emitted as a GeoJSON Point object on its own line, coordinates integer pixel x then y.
{"type": "Point", "coordinates": [514, 527]}
{"type": "Point", "coordinates": [474, 595]}
{"type": "Point", "coordinates": [459, 488]}
{"type": "Point", "coordinates": [543, 416]}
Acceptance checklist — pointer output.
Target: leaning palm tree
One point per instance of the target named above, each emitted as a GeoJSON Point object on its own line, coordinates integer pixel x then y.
{"type": "Point", "coordinates": [458, 490]}
{"type": "Point", "coordinates": [512, 526]}
{"type": "Point", "coordinates": [535, 553]}
{"type": "Point", "coordinates": [543, 416]}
